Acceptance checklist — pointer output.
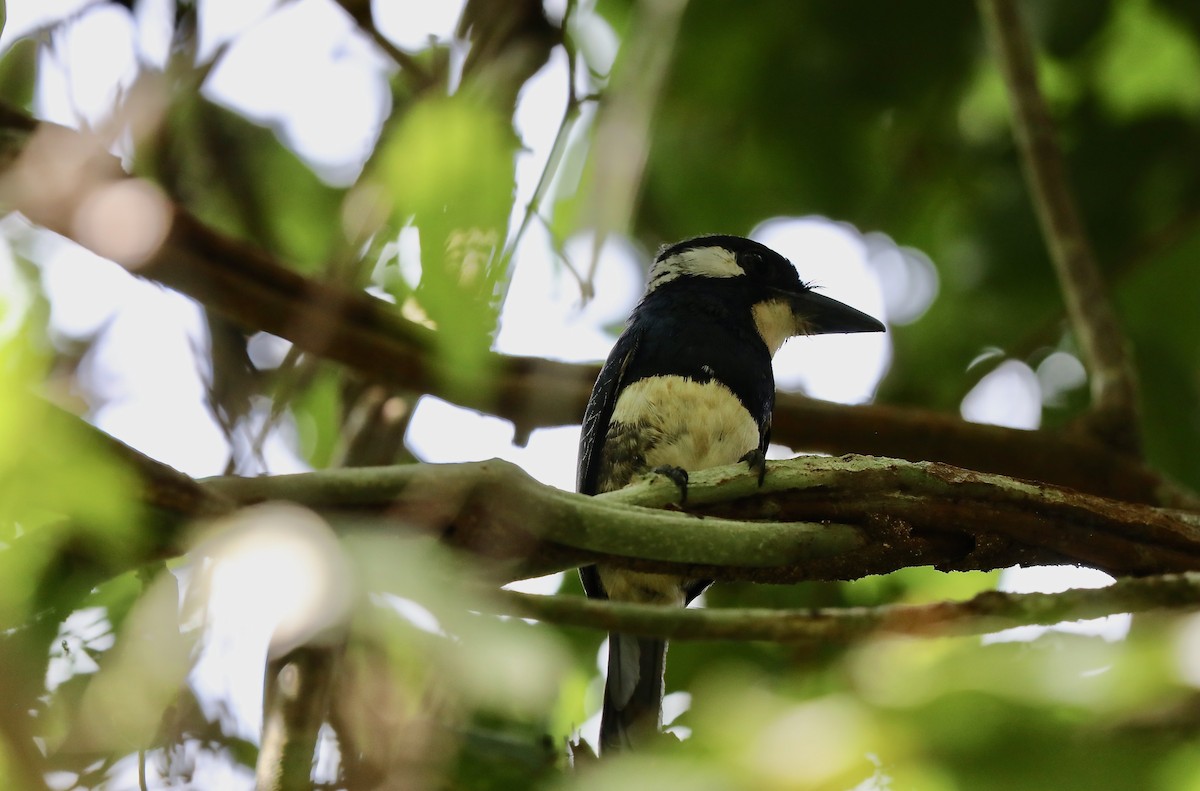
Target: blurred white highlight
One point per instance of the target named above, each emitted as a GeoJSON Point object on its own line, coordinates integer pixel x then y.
{"type": "Point", "coordinates": [412, 24]}
{"type": "Point", "coordinates": [1056, 579]}
{"type": "Point", "coordinates": [1008, 396]}
{"type": "Point", "coordinates": [809, 745]}
{"type": "Point", "coordinates": [1059, 374]}
{"type": "Point", "coordinates": [1187, 650]}
{"type": "Point", "coordinates": [125, 221]}
{"type": "Point", "coordinates": [543, 296]}
{"type": "Point", "coordinates": [16, 296]}
{"type": "Point", "coordinates": [278, 567]}
{"type": "Point", "coordinates": [908, 280]}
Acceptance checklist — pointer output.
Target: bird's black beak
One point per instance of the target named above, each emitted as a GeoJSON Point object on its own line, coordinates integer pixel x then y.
{"type": "Point", "coordinates": [821, 315]}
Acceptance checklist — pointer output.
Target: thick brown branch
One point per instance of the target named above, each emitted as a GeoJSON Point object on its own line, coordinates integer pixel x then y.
{"type": "Point", "coordinates": [1092, 318]}
{"type": "Point", "coordinates": [987, 612]}
{"type": "Point", "coordinates": [163, 488]}
{"type": "Point", "coordinates": [1062, 458]}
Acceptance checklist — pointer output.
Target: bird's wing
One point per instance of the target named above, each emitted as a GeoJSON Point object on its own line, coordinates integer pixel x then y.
{"type": "Point", "coordinates": [599, 411]}
{"type": "Point", "coordinates": [764, 427]}
{"type": "Point", "coordinates": [595, 427]}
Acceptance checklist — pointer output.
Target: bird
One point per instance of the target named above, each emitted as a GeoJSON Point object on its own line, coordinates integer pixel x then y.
{"type": "Point", "coordinates": [687, 386]}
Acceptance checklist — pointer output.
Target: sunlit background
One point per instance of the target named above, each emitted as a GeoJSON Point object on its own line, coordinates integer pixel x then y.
{"type": "Point", "coordinates": [323, 91]}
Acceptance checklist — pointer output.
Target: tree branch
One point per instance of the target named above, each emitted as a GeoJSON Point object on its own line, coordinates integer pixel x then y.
{"type": "Point", "coordinates": [360, 11]}
{"type": "Point", "coordinates": [299, 686]}
{"type": "Point", "coordinates": [1114, 391]}
{"type": "Point", "coordinates": [1060, 457]}
{"type": "Point", "coordinates": [814, 518]}
{"type": "Point", "coordinates": [830, 519]}
{"type": "Point", "coordinates": [987, 612]}
{"type": "Point", "coordinates": [163, 488]}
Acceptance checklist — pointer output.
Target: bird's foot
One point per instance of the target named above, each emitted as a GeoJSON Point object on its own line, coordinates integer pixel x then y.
{"type": "Point", "coordinates": [679, 476]}
{"type": "Point", "coordinates": [757, 461]}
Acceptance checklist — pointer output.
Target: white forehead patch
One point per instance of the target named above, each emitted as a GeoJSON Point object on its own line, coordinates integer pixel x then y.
{"type": "Point", "coordinates": [696, 261]}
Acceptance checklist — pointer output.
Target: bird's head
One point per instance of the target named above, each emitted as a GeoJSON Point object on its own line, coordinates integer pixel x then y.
{"type": "Point", "coordinates": [753, 277]}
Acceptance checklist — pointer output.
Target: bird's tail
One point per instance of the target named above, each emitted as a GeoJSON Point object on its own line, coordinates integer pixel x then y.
{"type": "Point", "coordinates": [633, 692]}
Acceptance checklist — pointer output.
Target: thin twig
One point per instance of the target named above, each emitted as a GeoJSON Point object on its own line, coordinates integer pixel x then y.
{"type": "Point", "coordinates": [1104, 347]}
{"type": "Point", "coordinates": [621, 145]}
{"type": "Point", "coordinates": [142, 785]}
{"type": "Point", "coordinates": [987, 612]}
{"type": "Point", "coordinates": [553, 162]}
{"type": "Point", "coordinates": [558, 150]}
{"type": "Point", "coordinates": [419, 78]}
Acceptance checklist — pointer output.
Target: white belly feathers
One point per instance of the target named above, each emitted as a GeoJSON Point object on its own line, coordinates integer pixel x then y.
{"type": "Point", "coordinates": [695, 425]}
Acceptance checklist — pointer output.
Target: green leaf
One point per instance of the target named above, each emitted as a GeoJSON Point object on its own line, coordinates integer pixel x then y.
{"type": "Point", "coordinates": [448, 168]}
{"type": "Point", "coordinates": [18, 73]}
{"type": "Point", "coordinates": [1150, 64]}
{"type": "Point", "coordinates": [317, 410]}
{"type": "Point", "coordinates": [239, 178]}
{"type": "Point", "coordinates": [53, 477]}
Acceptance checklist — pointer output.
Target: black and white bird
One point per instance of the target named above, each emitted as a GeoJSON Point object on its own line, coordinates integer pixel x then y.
{"type": "Point", "coordinates": [688, 386]}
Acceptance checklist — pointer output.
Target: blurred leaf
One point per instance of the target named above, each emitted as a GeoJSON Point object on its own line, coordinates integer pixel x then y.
{"type": "Point", "coordinates": [1165, 327]}
{"type": "Point", "coordinates": [51, 473]}
{"type": "Point", "coordinates": [118, 596]}
{"type": "Point", "coordinates": [497, 760]}
{"type": "Point", "coordinates": [123, 705]}
{"type": "Point", "coordinates": [427, 616]}
{"type": "Point", "coordinates": [632, 772]}
{"type": "Point", "coordinates": [317, 410]}
{"type": "Point", "coordinates": [953, 712]}
{"type": "Point", "coordinates": [1149, 63]}
{"type": "Point", "coordinates": [239, 178]}
{"type": "Point", "coordinates": [18, 73]}
{"type": "Point", "coordinates": [1183, 12]}
{"type": "Point", "coordinates": [806, 120]}
{"type": "Point", "coordinates": [449, 167]}
{"type": "Point", "coordinates": [1066, 27]}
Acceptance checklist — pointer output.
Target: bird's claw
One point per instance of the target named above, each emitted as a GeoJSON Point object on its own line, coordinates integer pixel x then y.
{"type": "Point", "coordinates": [679, 476]}
{"type": "Point", "coordinates": [757, 461]}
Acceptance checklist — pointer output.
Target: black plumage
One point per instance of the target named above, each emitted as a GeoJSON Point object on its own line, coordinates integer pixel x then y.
{"type": "Point", "coordinates": [688, 385]}
{"type": "Point", "coordinates": [688, 331]}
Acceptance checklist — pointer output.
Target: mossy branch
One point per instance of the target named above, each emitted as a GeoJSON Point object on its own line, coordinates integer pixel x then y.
{"type": "Point", "coordinates": [814, 518]}
{"type": "Point", "coordinates": [987, 612]}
